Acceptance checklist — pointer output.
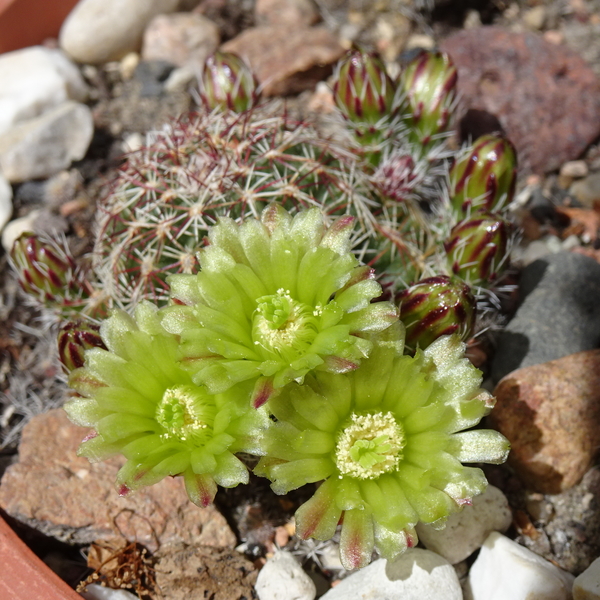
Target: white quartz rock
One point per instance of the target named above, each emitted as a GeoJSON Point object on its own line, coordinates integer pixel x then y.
{"type": "Point", "coordinates": [466, 530]}
{"type": "Point", "coordinates": [98, 31]}
{"type": "Point", "coordinates": [5, 201]}
{"type": "Point", "coordinates": [282, 578]}
{"type": "Point", "coordinates": [587, 585]}
{"type": "Point", "coordinates": [504, 570]}
{"type": "Point", "coordinates": [416, 575]}
{"type": "Point", "coordinates": [43, 146]}
{"type": "Point", "coordinates": [98, 592]}
{"type": "Point", "coordinates": [16, 227]}
{"type": "Point", "coordinates": [34, 80]}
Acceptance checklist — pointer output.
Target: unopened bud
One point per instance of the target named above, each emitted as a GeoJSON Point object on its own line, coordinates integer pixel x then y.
{"type": "Point", "coordinates": [228, 83]}
{"type": "Point", "coordinates": [434, 307]}
{"type": "Point", "coordinates": [477, 248]}
{"type": "Point", "coordinates": [485, 178]}
{"type": "Point", "coordinates": [429, 83]}
{"type": "Point", "coordinates": [363, 90]}
{"type": "Point", "coordinates": [74, 339]}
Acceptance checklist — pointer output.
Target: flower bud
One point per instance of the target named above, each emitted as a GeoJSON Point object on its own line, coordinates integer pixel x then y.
{"type": "Point", "coordinates": [74, 339]}
{"type": "Point", "coordinates": [429, 82]}
{"type": "Point", "coordinates": [484, 180]}
{"type": "Point", "coordinates": [434, 307]}
{"type": "Point", "coordinates": [44, 270]}
{"type": "Point", "coordinates": [477, 248]}
{"type": "Point", "coordinates": [363, 90]}
{"type": "Point", "coordinates": [227, 82]}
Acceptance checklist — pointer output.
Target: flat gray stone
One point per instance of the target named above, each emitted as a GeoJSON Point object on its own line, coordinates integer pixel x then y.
{"type": "Point", "coordinates": [559, 313]}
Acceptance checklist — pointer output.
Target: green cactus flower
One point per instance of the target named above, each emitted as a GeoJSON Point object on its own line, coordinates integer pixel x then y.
{"type": "Point", "coordinates": [142, 405]}
{"type": "Point", "coordinates": [434, 307]}
{"type": "Point", "coordinates": [274, 300]}
{"type": "Point", "coordinates": [388, 442]}
{"type": "Point", "coordinates": [228, 83]}
{"type": "Point", "coordinates": [484, 179]}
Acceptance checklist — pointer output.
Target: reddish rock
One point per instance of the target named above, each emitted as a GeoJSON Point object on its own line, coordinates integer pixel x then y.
{"type": "Point", "coordinates": [298, 13]}
{"type": "Point", "coordinates": [180, 38]}
{"type": "Point", "coordinates": [287, 60]}
{"type": "Point", "coordinates": [65, 496]}
{"type": "Point", "coordinates": [546, 97]}
{"type": "Point", "coordinates": [551, 415]}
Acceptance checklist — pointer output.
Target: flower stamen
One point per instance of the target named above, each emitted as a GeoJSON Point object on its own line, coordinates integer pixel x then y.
{"type": "Point", "coordinates": [369, 446]}
{"type": "Point", "coordinates": [180, 414]}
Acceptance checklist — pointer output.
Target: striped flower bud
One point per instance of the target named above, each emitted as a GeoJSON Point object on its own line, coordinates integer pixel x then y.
{"type": "Point", "coordinates": [363, 90]}
{"type": "Point", "coordinates": [74, 339]}
{"type": "Point", "coordinates": [429, 83]}
{"type": "Point", "coordinates": [44, 270]}
{"type": "Point", "coordinates": [434, 307]}
{"type": "Point", "coordinates": [477, 248]}
{"type": "Point", "coordinates": [485, 178]}
{"type": "Point", "coordinates": [228, 83]}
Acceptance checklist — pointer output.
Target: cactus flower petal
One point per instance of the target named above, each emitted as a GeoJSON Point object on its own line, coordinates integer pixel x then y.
{"type": "Point", "coordinates": [393, 434]}
{"type": "Point", "coordinates": [144, 406]}
{"type": "Point", "coordinates": [274, 300]}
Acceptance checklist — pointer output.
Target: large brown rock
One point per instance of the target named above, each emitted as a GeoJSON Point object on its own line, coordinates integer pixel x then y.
{"type": "Point", "coordinates": [287, 60]}
{"type": "Point", "coordinates": [546, 97]}
{"type": "Point", "coordinates": [65, 496]}
{"type": "Point", "coordinates": [551, 415]}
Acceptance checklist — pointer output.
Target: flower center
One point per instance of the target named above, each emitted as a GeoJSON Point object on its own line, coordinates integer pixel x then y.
{"type": "Point", "coordinates": [282, 324]}
{"type": "Point", "coordinates": [369, 446]}
{"type": "Point", "coordinates": [183, 412]}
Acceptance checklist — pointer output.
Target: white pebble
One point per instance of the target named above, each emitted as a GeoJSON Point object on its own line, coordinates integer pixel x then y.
{"type": "Point", "coordinates": [574, 169]}
{"type": "Point", "coordinates": [16, 227]}
{"type": "Point", "coordinates": [43, 146]}
{"type": "Point", "coordinates": [466, 530]}
{"type": "Point", "coordinates": [34, 80]}
{"type": "Point", "coordinates": [99, 31]}
{"type": "Point", "coordinates": [587, 585]}
{"type": "Point", "coordinates": [99, 592]}
{"type": "Point", "coordinates": [416, 575]}
{"type": "Point", "coordinates": [282, 578]}
{"type": "Point", "coordinates": [504, 570]}
{"type": "Point", "coordinates": [5, 201]}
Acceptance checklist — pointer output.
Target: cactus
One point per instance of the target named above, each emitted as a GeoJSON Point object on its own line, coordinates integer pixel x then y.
{"type": "Point", "coordinates": [252, 266]}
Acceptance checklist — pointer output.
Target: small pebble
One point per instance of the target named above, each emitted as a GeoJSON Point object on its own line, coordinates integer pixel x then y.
{"type": "Point", "coordinates": [574, 169]}
{"type": "Point", "coordinates": [282, 578]}
{"type": "Point", "coordinates": [99, 592]}
{"type": "Point", "coordinates": [535, 17]}
{"type": "Point", "coordinates": [416, 575]}
{"type": "Point", "coordinates": [504, 570]}
{"type": "Point", "coordinates": [587, 585]}
{"type": "Point", "coordinates": [128, 64]}
{"type": "Point", "coordinates": [466, 530]}
{"type": "Point", "coordinates": [418, 40]}
{"type": "Point", "coordinates": [587, 190]}
{"type": "Point", "coordinates": [45, 145]}
{"type": "Point", "coordinates": [16, 227]}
